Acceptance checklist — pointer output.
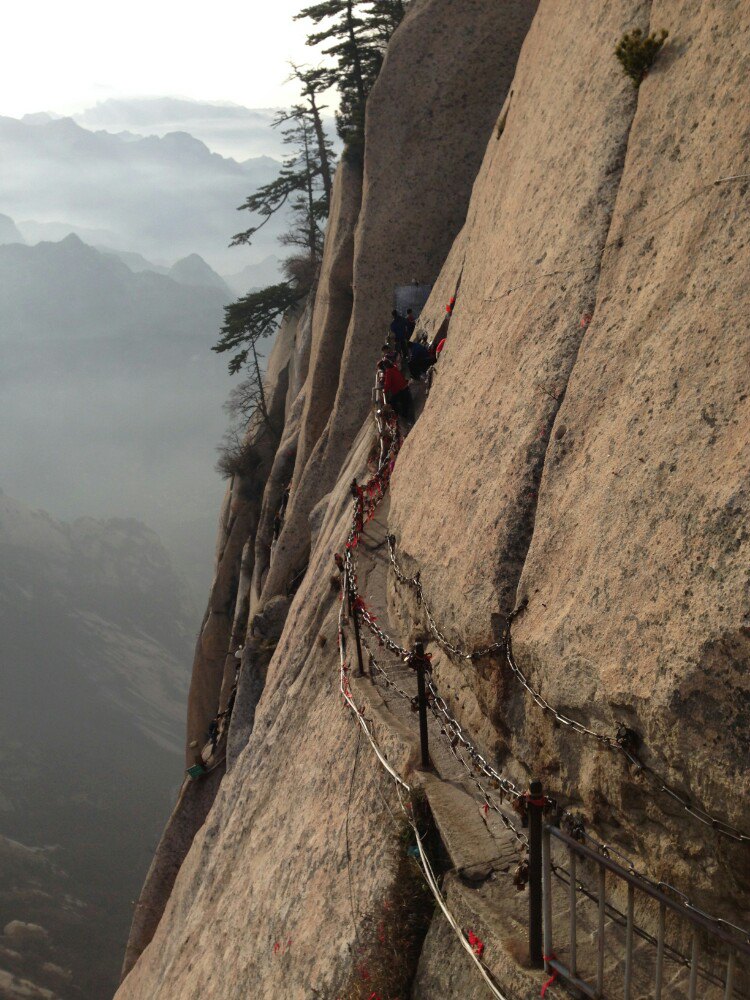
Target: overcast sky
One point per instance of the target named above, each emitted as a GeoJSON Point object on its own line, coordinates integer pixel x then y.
{"type": "Point", "coordinates": [66, 57]}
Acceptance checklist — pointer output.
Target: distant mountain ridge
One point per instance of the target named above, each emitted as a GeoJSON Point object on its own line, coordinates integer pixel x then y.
{"type": "Point", "coordinates": [193, 270]}
{"type": "Point", "coordinates": [86, 293]}
{"type": "Point", "coordinates": [230, 129]}
{"type": "Point", "coordinates": [252, 276]}
{"type": "Point", "coordinates": [93, 358]}
{"type": "Point", "coordinates": [9, 231]}
{"type": "Point", "coordinates": [162, 196]}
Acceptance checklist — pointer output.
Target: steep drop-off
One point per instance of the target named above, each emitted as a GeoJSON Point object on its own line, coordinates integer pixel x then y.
{"type": "Point", "coordinates": [94, 629]}
{"type": "Point", "coordinates": [583, 446]}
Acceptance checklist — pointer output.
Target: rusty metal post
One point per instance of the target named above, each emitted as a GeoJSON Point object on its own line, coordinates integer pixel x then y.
{"type": "Point", "coordinates": [535, 809]}
{"type": "Point", "coordinates": [419, 663]}
{"type": "Point", "coordinates": [355, 621]}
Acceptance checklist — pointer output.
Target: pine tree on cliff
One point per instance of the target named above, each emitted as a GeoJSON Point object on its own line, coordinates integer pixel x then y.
{"type": "Point", "coordinates": [300, 179]}
{"type": "Point", "coordinates": [358, 32]}
{"type": "Point", "coordinates": [303, 184]}
{"type": "Point", "coordinates": [314, 82]}
{"type": "Point", "coordinates": [310, 202]}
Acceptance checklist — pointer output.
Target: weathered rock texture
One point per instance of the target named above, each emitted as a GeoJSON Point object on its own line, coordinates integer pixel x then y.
{"type": "Point", "coordinates": [330, 319]}
{"type": "Point", "coordinates": [446, 74]}
{"type": "Point", "coordinates": [601, 469]}
{"type": "Point", "coordinates": [223, 629]}
{"type": "Point", "coordinates": [285, 801]}
{"type": "Point", "coordinates": [584, 445]}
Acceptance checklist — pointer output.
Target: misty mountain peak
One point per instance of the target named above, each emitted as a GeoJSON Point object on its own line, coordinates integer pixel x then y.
{"type": "Point", "coordinates": [39, 118]}
{"type": "Point", "coordinates": [9, 231]}
{"type": "Point", "coordinates": [72, 241]}
{"type": "Point", "coordinates": [193, 270]}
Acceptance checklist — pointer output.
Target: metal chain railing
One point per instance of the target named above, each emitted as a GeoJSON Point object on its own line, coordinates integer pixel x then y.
{"type": "Point", "coordinates": [365, 502]}
{"type": "Point", "coordinates": [624, 741]}
{"type": "Point", "coordinates": [406, 808]}
{"type": "Point", "coordinates": [453, 732]}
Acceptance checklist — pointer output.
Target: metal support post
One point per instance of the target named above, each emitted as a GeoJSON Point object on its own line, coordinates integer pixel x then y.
{"type": "Point", "coordinates": [357, 640]}
{"type": "Point", "coordinates": [547, 895]}
{"type": "Point", "coordinates": [419, 662]}
{"type": "Point", "coordinates": [535, 809]}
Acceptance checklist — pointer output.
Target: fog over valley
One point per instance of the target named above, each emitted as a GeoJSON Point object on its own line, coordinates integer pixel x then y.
{"type": "Point", "coordinates": [111, 297]}
{"type": "Point", "coordinates": [164, 196]}
{"type": "Point", "coordinates": [114, 274]}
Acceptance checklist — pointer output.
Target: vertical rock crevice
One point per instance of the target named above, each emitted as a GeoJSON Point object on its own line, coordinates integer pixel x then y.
{"type": "Point", "coordinates": [566, 265]}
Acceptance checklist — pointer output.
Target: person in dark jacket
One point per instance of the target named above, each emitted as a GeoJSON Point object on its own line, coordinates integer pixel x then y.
{"type": "Point", "coordinates": [419, 359]}
{"type": "Point", "coordinates": [396, 390]}
{"type": "Point", "coordinates": [400, 337]}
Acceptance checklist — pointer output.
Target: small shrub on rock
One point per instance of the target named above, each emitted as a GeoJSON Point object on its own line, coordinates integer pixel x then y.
{"type": "Point", "coordinates": [637, 52]}
{"type": "Point", "coordinates": [237, 457]}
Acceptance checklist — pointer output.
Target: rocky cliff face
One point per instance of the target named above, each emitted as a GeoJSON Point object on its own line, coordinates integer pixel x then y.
{"type": "Point", "coordinates": [583, 449]}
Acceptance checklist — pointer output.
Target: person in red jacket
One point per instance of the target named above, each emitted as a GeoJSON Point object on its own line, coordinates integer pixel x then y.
{"type": "Point", "coordinates": [396, 390]}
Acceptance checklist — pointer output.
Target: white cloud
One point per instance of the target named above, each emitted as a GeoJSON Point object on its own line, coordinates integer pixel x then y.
{"type": "Point", "coordinates": [65, 57]}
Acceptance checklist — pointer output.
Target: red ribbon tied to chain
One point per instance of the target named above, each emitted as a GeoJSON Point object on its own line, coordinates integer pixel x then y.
{"type": "Point", "coordinates": [552, 978]}
{"type": "Point", "coordinates": [477, 945]}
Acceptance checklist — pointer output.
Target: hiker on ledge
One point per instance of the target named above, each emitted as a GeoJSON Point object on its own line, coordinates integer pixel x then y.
{"type": "Point", "coordinates": [388, 354]}
{"type": "Point", "coordinates": [420, 358]}
{"type": "Point", "coordinates": [396, 390]}
{"type": "Point", "coordinates": [400, 334]}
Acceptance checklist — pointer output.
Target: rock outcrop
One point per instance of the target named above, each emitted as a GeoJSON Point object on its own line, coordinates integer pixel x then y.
{"type": "Point", "coordinates": [446, 73]}
{"type": "Point", "coordinates": [587, 409]}
{"type": "Point", "coordinates": [222, 631]}
{"type": "Point", "coordinates": [582, 453]}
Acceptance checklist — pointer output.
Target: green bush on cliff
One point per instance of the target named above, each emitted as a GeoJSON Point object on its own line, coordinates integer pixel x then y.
{"type": "Point", "coordinates": [637, 52]}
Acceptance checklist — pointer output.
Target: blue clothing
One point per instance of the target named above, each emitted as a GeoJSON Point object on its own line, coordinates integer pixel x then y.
{"type": "Point", "coordinates": [398, 329]}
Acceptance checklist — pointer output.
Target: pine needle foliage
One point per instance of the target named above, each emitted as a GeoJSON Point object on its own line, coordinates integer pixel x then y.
{"type": "Point", "coordinates": [304, 186]}
{"type": "Point", "coordinates": [252, 317]}
{"type": "Point", "coordinates": [637, 52]}
{"type": "Point", "coordinates": [354, 34]}
{"type": "Point", "coordinates": [303, 182]}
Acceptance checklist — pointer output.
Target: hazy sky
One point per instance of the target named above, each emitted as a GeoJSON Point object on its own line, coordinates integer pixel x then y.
{"type": "Point", "coordinates": [65, 57]}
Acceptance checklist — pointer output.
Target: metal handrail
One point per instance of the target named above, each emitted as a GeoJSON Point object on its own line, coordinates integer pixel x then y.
{"type": "Point", "coordinates": [690, 914]}
{"type": "Point", "coordinates": [735, 945]}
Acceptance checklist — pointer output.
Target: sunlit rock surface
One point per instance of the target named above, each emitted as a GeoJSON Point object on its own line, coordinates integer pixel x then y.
{"type": "Point", "coordinates": [584, 446]}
